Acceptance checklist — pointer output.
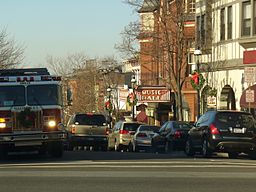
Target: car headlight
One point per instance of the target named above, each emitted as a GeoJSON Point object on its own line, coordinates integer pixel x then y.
{"type": "Point", "coordinates": [52, 123]}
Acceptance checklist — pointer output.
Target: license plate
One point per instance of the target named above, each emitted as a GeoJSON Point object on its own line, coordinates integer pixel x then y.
{"type": "Point", "coordinates": [238, 130]}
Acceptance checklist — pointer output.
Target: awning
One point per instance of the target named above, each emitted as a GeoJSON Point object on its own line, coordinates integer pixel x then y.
{"type": "Point", "coordinates": [243, 99]}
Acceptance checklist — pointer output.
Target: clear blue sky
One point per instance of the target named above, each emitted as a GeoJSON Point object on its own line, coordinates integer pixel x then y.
{"type": "Point", "coordinates": [62, 27]}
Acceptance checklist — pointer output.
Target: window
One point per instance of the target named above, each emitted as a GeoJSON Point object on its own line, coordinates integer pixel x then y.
{"type": "Point", "coordinates": [230, 16]}
{"type": "Point", "coordinates": [191, 6]}
{"type": "Point", "coordinates": [222, 24]}
{"type": "Point", "coordinates": [246, 18]}
{"type": "Point", "coordinates": [254, 18]}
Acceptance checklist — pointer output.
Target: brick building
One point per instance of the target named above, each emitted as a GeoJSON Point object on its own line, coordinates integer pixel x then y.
{"type": "Point", "coordinates": [158, 55]}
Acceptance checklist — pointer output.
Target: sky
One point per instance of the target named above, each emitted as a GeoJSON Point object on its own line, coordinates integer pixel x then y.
{"type": "Point", "coordinates": [62, 27]}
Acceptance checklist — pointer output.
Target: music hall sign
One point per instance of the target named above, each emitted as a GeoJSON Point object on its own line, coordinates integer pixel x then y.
{"type": "Point", "coordinates": [152, 95]}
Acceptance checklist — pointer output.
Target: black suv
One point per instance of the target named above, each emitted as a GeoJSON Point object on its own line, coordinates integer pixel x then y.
{"type": "Point", "coordinates": [87, 129]}
{"type": "Point", "coordinates": [232, 132]}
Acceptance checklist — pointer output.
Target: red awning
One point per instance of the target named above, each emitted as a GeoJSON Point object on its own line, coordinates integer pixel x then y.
{"type": "Point", "coordinates": [243, 103]}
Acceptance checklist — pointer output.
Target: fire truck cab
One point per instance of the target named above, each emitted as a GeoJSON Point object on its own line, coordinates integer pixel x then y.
{"type": "Point", "coordinates": [30, 112]}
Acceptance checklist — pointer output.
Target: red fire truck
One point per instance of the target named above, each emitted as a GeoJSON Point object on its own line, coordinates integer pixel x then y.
{"type": "Point", "coordinates": [30, 112]}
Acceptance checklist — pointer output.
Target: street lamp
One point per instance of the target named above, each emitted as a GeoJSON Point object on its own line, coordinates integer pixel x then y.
{"type": "Point", "coordinates": [109, 105]}
{"type": "Point", "coordinates": [197, 53]}
{"type": "Point", "coordinates": [133, 81]}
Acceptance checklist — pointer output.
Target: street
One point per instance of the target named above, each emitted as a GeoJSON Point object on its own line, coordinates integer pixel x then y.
{"type": "Point", "coordinates": [113, 171]}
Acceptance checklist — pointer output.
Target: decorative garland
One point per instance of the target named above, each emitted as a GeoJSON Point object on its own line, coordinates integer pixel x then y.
{"type": "Point", "coordinates": [26, 117]}
{"type": "Point", "coordinates": [197, 80]}
{"type": "Point", "coordinates": [108, 106]}
{"type": "Point", "coordinates": [132, 99]}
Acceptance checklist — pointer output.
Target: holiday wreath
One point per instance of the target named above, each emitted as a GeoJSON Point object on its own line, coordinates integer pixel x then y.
{"type": "Point", "coordinates": [132, 99]}
{"type": "Point", "coordinates": [26, 117]}
{"type": "Point", "coordinates": [197, 80]}
{"type": "Point", "coordinates": [108, 105]}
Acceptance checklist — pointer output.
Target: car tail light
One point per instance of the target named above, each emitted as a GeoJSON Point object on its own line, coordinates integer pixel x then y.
{"type": "Point", "coordinates": [73, 129]}
{"type": "Point", "coordinates": [214, 130]}
{"type": "Point", "coordinates": [141, 135]}
{"type": "Point", "coordinates": [107, 131]}
{"type": "Point", "coordinates": [177, 134]}
{"type": "Point", "coordinates": [124, 132]}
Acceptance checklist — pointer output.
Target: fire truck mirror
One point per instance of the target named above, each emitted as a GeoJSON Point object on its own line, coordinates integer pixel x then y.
{"type": "Point", "coordinates": [69, 97]}
{"type": "Point", "coordinates": [61, 126]}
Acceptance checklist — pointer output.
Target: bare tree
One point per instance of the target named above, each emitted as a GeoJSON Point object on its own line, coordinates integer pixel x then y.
{"type": "Point", "coordinates": [170, 45]}
{"type": "Point", "coordinates": [11, 54]}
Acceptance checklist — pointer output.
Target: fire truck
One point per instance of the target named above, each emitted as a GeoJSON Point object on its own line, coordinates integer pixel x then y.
{"type": "Point", "coordinates": [30, 112]}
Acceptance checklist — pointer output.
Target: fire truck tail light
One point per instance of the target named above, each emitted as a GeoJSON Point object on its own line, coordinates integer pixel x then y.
{"type": "Point", "coordinates": [2, 120]}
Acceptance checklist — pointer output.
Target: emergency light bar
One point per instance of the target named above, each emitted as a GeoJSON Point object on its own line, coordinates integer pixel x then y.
{"type": "Point", "coordinates": [30, 78]}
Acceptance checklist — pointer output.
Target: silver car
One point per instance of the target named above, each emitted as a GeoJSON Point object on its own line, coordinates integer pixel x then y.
{"type": "Point", "coordinates": [143, 136]}
{"type": "Point", "coordinates": [120, 137]}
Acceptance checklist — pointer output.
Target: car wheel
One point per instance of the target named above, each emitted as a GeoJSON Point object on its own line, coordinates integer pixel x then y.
{"type": "Point", "coordinates": [189, 148]}
{"type": "Point", "coordinates": [252, 155]}
{"type": "Point", "coordinates": [117, 147]}
{"type": "Point", "coordinates": [153, 147]}
{"type": "Point", "coordinates": [206, 152]}
{"type": "Point", "coordinates": [168, 147]}
{"type": "Point", "coordinates": [135, 149]}
{"type": "Point", "coordinates": [130, 147]}
{"type": "Point", "coordinates": [232, 155]}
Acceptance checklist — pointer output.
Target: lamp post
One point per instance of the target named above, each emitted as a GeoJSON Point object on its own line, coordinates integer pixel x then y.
{"type": "Point", "coordinates": [110, 106]}
{"type": "Point", "coordinates": [197, 53]}
{"type": "Point", "coordinates": [133, 81]}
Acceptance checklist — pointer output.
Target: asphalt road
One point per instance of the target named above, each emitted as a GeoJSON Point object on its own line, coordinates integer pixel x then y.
{"type": "Point", "coordinates": [112, 171]}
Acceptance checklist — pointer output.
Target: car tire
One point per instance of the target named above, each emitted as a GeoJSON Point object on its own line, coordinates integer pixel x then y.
{"type": "Point", "coordinates": [117, 147]}
{"type": "Point", "coordinates": [55, 149]}
{"type": "Point", "coordinates": [252, 155]}
{"type": "Point", "coordinates": [206, 152]}
{"type": "Point", "coordinates": [232, 155]}
{"type": "Point", "coordinates": [153, 147]}
{"type": "Point", "coordinates": [168, 147]}
{"type": "Point", "coordinates": [189, 148]}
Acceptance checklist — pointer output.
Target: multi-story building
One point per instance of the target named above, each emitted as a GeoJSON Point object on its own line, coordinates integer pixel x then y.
{"type": "Point", "coordinates": [226, 35]}
{"type": "Point", "coordinates": [155, 76]}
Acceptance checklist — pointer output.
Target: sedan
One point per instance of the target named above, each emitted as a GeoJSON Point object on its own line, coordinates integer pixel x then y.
{"type": "Point", "coordinates": [142, 137]}
{"type": "Point", "coordinates": [171, 136]}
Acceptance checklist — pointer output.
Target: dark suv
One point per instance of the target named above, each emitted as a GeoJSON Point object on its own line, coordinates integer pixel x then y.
{"type": "Point", "coordinates": [232, 132]}
{"type": "Point", "coordinates": [87, 129]}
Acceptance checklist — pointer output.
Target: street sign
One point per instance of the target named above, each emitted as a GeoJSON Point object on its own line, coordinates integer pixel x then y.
{"type": "Point", "coordinates": [249, 74]}
{"type": "Point", "coordinates": [249, 96]}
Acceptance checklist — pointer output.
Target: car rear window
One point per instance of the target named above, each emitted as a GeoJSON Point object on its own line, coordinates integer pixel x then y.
{"type": "Point", "coordinates": [131, 126]}
{"type": "Point", "coordinates": [90, 119]}
{"type": "Point", "coordinates": [226, 120]}
{"type": "Point", "coordinates": [181, 125]}
{"type": "Point", "coordinates": [149, 128]}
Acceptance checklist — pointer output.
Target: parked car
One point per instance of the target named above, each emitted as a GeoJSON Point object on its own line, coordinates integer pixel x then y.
{"type": "Point", "coordinates": [120, 137]}
{"type": "Point", "coordinates": [143, 136]}
{"type": "Point", "coordinates": [232, 132]}
{"type": "Point", "coordinates": [171, 136]}
{"type": "Point", "coordinates": [87, 129]}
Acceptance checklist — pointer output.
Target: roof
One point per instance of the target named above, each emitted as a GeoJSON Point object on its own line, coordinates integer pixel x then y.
{"type": "Point", "coordinates": [24, 72]}
{"type": "Point", "coordinates": [149, 6]}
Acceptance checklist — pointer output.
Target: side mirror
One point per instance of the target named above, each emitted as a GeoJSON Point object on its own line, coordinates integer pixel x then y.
{"type": "Point", "coordinates": [61, 127]}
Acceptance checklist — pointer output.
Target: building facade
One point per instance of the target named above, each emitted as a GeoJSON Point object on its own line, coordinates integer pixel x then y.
{"type": "Point", "coordinates": [226, 34]}
{"type": "Point", "coordinates": [159, 57]}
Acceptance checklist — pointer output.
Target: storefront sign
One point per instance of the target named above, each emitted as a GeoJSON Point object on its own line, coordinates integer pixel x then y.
{"type": "Point", "coordinates": [250, 57]}
{"type": "Point", "coordinates": [153, 95]}
{"type": "Point", "coordinates": [211, 101]}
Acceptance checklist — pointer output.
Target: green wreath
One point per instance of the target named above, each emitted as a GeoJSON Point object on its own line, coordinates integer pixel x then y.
{"type": "Point", "coordinates": [26, 117]}
{"type": "Point", "coordinates": [129, 99]}
{"type": "Point", "coordinates": [108, 106]}
{"type": "Point", "coordinates": [201, 81]}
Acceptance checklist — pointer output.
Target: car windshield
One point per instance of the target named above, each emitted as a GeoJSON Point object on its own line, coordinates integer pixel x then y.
{"type": "Point", "coordinates": [90, 119]}
{"type": "Point", "coordinates": [235, 120]}
{"type": "Point", "coordinates": [149, 128]}
{"type": "Point", "coordinates": [131, 126]}
{"type": "Point", "coordinates": [181, 125]}
{"type": "Point", "coordinates": [12, 96]}
{"type": "Point", "coordinates": [44, 95]}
